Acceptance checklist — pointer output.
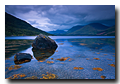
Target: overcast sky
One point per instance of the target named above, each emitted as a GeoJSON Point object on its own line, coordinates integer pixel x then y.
{"type": "Point", "coordinates": [63, 17]}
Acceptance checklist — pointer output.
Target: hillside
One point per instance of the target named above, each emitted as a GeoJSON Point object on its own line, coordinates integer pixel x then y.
{"type": "Point", "coordinates": [108, 32]}
{"type": "Point", "coordinates": [92, 29]}
{"type": "Point", "coordinates": [17, 27]}
{"type": "Point", "coordinates": [57, 32]}
{"type": "Point", "coordinates": [74, 28]}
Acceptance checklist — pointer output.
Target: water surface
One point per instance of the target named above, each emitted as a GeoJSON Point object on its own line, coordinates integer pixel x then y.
{"type": "Point", "coordinates": [88, 54]}
{"type": "Point", "coordinates": [57, 37]}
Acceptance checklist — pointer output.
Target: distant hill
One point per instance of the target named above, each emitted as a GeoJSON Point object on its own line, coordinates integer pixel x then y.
{"type": "Point", "coordinates": [74, 28]}
{"type": "Point", "coordinates": [98, 26]}
{"type": "Point", "coordinates": [57, 32]}
{"type": "Point", "coordinates": [17, 27]}
{"type": "Point", "coordinates": [108, 32]}
{"type": "Point", "coordinates": [92, 29]}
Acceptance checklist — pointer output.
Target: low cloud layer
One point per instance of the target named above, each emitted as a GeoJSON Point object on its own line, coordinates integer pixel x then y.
{"type": "Point", "coordinates": [63, 17]}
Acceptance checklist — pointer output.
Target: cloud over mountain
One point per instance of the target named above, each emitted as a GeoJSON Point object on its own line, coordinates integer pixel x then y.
{"type": "Point", "coordinates": [53, 17]}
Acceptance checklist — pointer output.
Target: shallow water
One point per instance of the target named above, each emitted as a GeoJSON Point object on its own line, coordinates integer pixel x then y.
{"type": "Point", "coordinates": [87, 53]}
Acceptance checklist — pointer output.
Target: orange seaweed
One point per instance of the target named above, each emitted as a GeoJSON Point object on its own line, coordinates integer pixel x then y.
{"type": "Point", "coordinates": [63, 58]}
{"type": "Point", "coordinates": [112, 65]}
{"type": "Point", "coordinates": [96, 58]}
{"type": "Point", "coordinates": [14, 67]}
{"type": "Point", "coordinates": [103, 77]}
{"type": "Point", "coordinates": [75, 68]}
{"type": "Point", "coordinates": [99, 69]}
{"type": "Point", "coordinates": [78, 68]}
{"type": "Point", "coordinates": [49, 76]}
{"type": "Point", "coordinates": [22, 75]}
{"type": "Point", "coordinates": [98, 53]}
{"type": "Point", "coordinates": [51, 58]}
{"type": "Point", "coordinates": [16, 76]}
{"type": "Point", "coordinates": [49, 62]}
{"type": "Point", "coordinates": [83, 44]}
{"type": "Point", "coordinates": [33, 77]}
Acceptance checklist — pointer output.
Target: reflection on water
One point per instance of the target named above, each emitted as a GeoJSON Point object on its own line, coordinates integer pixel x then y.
{"type": "Point", "coordinates": [93, 43]}
{"type": "Point", "coordinates": [14, 46]}
{"type": "Point", "coordinates": [42, 54]}
{"type": "Point", "coordinates": [84, 58]}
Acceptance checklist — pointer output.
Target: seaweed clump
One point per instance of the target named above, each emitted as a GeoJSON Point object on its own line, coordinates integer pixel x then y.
{"type": "Point", "coordinates": [14, 67]}
{"type": "Point", "coordinates": [63, 58]}
{"type": "Point", "coordinates": [16, 76]}
{"type": "Point", "coordinates": [112, 65]}
{"type": "Point", "coordinates": [33, 77]}
{"type": "Point", "coordinates": [103, 77]}
{"type": "Point", "coordinates": [49, 62]}
{"type": "Point", "coordinates": [96, 58]}
{"type": "Point", "coordinates": [99, 69]}
{"type": "Point", "coordinates": [49, 76]}
{"type": "Point", "coordinates": [78, 68]}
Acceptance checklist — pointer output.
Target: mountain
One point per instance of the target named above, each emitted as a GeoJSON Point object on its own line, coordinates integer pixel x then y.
{"type": "Point", "coordinates": [57, 32]}
{"type": "Point", "coordinates": [74, 28]}
{"type": "Point", "coordinates": [108, 32]}
{"type": "Point", "coordinates": [98, 26]}
{"type": "Point", "coordinates": [92, 29]}
{"type": "Point", "coordinates": [17, 27]}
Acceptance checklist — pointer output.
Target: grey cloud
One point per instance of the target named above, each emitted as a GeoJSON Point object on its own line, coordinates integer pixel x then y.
{"type": "Point", "coordinates": [52, 17]}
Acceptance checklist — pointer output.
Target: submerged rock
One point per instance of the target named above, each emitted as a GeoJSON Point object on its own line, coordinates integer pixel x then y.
{"type": "Point", "coordinates": [43, 42]}
{"type": "Point", "coordinates": [20, 58]}
{"type": "Point", "coordinates": [41, 55]}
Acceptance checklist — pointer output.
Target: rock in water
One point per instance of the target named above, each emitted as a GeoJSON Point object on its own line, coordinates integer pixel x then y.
{"type": "Point", "coordinates": [20, 58]}
{"type": "Point", "coordinates": [43, 42]}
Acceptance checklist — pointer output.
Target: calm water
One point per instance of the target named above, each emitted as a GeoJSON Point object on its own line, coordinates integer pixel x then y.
{"type": "Point", "coordinates": [58, 37]}
{"type": "Point", "coordinates": [89, 53]}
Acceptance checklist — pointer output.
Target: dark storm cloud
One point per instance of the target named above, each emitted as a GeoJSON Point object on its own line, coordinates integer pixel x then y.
{"type": "Point", "coordinates": [52, 17]}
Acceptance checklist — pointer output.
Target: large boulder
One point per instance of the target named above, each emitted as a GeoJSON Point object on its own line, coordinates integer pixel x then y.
{"type": "Point", "coordinates": [43, 42]}
{"type": "Point", "coordinates": [20, 58]}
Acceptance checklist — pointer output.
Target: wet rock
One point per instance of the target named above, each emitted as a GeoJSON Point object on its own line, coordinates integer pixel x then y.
{"type": "Point", "coordinates": [43, 42]}
{"type": "Point", "coordinates": [20, 58]}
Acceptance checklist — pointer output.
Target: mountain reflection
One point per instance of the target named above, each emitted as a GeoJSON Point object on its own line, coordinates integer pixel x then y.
{"type": "Point", "coordinates": [93, 43]}
{"type": "Point", "coordinates": [42, 54]}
